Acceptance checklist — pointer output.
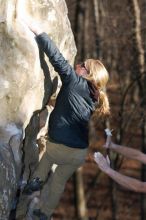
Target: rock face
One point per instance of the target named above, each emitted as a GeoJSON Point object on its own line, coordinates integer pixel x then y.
{"type": "Point", "coordinates": [26, 81]}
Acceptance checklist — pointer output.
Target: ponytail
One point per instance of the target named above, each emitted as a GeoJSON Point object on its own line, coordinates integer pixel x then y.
{"type": "Point", "coordinates": [101, 112]}
{"type": "Point", "coordinates": [98, 78]}
{"type": "Point", "coordinates": [102, 109]}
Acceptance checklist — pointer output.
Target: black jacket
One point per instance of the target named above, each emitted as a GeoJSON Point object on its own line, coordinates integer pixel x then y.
{"type": "Point", "coordinates": [68, 123]}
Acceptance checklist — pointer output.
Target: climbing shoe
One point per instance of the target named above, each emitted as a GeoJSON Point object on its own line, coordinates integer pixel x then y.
{"type": "Point", "coordinates": [39, 214]}
{"type": "Point", "coordinates": [33, 185]}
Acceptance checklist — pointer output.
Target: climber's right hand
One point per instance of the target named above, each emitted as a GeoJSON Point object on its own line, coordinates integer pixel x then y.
{"type": "Point", "coordinates": [32, 25]}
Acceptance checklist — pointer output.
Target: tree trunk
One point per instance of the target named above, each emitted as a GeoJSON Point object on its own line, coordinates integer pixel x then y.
{"type": "Point", "coordinates": [80, 195]}
{"type": "Point", "coordinates": [139, 59]}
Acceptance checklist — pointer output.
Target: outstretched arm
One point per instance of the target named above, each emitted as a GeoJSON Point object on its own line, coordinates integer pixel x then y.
{"type": "Point", "coordinates": [125, 151]}
{"type": "Point", "coordinates": [48, 46]}
{"type": "Point", "coordinates": [125, 181]}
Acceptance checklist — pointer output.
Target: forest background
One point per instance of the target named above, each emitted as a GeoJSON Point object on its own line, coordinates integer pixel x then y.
{"type": "Point", "coordinates": [114, 32]}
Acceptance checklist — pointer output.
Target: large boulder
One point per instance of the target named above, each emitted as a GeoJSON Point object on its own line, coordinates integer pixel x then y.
{"type": "Point", "coordinates": [26, 81]}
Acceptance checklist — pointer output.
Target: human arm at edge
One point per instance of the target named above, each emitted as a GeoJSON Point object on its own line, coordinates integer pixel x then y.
{"type": "Point", "coordinates": [125, 151]}
{"type": "Point", "coordinates": [125, 181]}
{"type": "Point", "coordinates": [129, 152]}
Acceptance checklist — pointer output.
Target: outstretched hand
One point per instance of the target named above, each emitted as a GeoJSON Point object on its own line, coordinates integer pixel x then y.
{"type": "Point", "coordinates": [25, 19]}
{"type": "Point", "coordinates": [103, 163]}
{"type": "Point", "coordinates": [32, 25]}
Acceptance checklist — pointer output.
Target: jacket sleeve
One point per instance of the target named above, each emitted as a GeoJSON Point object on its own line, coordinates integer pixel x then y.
{"type": "Point", "coordinates": [57, 60]}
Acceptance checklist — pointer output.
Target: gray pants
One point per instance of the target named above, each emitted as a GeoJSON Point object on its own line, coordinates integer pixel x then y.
{"type": "Point", "coordinates": [68, 160]}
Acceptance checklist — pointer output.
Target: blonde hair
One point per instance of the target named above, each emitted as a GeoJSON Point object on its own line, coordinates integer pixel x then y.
{"type": "Point", "coordinates": [98, 75]}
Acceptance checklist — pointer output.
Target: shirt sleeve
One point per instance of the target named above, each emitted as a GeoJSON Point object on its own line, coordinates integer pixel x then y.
{"type": "Point", "coordinates": [57, 60]}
